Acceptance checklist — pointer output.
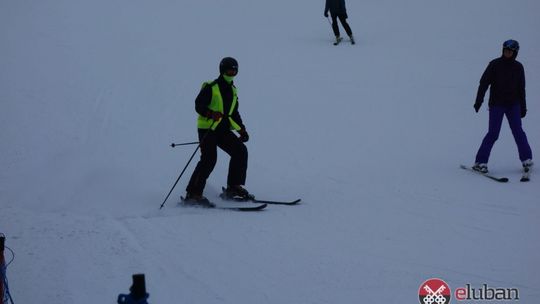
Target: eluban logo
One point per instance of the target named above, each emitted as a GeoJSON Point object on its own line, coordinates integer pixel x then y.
{"type": "Point", "coordinates": [434, 291]}
{"type": "Point", "coordinates": [486, 293]}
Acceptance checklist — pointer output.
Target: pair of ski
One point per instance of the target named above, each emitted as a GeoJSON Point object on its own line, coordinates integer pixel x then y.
{"type": "Point", "coordinates": [525, 175]}
{"type": "Point", "coordinates": [251, 204]}
{"type": "Point", "coordinates": [338, 41]}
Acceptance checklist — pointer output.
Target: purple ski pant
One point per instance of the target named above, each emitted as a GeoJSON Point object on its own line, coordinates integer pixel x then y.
{"type": "Point", "coordinates": [513, 115]}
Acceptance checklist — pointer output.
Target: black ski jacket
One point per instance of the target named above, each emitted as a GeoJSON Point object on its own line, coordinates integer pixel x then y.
{"type": "Point", "coordinates": [506, 79]}
{"type": "Point", "coordinates": [336, 7]}
{"type": "Point", "coordinates": [205, 97]}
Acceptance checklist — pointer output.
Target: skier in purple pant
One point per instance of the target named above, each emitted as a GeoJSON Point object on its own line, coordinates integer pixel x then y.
{"type": "Point", "coordinates": [506, 79]}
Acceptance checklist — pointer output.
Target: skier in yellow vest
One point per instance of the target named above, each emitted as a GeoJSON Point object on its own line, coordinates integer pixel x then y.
{"type": "Point", "coordinates": [217, 106]}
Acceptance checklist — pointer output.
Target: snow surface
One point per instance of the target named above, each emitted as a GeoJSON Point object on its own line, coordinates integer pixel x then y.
{"type": "Point", "coordinates": [369, 136]}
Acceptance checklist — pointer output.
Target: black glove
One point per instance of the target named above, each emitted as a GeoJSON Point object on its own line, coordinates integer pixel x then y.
{"type": "Point", "coordinates": [477, 106]}
{"type": "Point", "coordinates": [523, 112]}
{"type": "Point", "coordinates": [326, 14]}
{"type": "Point", "coordinates": [244, 136]}
{"type": "Point", "coordinates": [346, 16]}
{"type": "Point", "coordinates": [214, 115]}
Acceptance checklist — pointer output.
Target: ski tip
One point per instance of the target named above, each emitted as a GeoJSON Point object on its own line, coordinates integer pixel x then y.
{"type": "Point", "coordinates": [488, 175]}
{"type": "Point", "coordinates": [295, 202]}
{"type": "Point", "coordinates": [288, 203]}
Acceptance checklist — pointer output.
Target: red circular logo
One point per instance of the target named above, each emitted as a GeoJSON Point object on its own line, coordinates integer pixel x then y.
{"type": "Point", "coordinates": [434, 291]}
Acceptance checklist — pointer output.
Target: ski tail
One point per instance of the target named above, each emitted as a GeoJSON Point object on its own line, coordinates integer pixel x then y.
{"type": "Point", "coordinates": [212, 205]}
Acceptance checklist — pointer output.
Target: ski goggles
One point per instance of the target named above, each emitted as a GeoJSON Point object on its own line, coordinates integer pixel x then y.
{"type": "Point", "coordinates": [511, 45]}
{"type": "Point", "coordinates": [231, 71]}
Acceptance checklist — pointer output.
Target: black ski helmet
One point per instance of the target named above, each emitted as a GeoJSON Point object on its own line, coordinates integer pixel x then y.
{"type": "Point", "coordinates": [511, 44]}
{"type": "Point", "coordinates": [228, 63]}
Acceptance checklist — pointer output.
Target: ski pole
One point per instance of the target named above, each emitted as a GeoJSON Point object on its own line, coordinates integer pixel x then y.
{"type": "Point", "coordinates": [328, 18]}
{"type": "Point", "coordinates": [330, 22]}
{"type": "Point", "coordinates": [184, 144]}
{"type": "Point", "coordinates": [189, 161]}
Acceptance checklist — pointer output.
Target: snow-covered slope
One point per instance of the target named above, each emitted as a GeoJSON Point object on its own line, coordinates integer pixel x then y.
{"type": "Point", "coordinates": [369, 136]}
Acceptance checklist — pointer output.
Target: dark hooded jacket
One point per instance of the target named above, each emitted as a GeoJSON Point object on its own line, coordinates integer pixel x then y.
{"type": "Point", "coordinates": [505, 78]}
{"type": "Point", "coordinates": [336, 7]}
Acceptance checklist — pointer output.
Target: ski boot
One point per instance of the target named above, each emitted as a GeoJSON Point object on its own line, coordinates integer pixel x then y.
{"type": "Point", "coordinates": [237, 193]}
{"type": "Point", "coordinates": [352, 39]}
{"type": "Point", "coordinates": [480, 167]}
{"type": "Point", "coordinates": [338, 40]}
{"type": "Point", "coordinates": [197, 200]}
{"type": "Point", "coordinates": [527, 164]}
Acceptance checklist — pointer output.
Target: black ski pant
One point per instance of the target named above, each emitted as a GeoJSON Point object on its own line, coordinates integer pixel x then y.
{"type": "Point", "coordinates": [227, 141]}
{"type": "Point", "coordinates": [343, 20]}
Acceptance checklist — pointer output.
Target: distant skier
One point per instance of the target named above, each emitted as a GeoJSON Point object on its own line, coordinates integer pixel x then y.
{"type": "Point", "coordinates": [217, 106]}
{"type": "Point", "coordinates": [506, 78]}
{"type": "Point", "coordinates": [338, 10]}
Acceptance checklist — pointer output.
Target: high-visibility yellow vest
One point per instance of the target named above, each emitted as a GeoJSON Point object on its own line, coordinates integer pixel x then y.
{"type": "Point", "coordinates": [216, 105]}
